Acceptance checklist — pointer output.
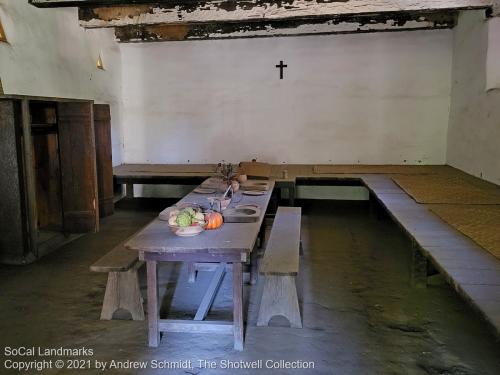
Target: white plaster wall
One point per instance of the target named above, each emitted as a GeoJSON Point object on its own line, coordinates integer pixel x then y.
{"type": "Point", "coordinates": [474, 125]}
{"type": "Point", "coordinates": [50, 55]}
{"type": "Point", "coordinates": [365, 98]}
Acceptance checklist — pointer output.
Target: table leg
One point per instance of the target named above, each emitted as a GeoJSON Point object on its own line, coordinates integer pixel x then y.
{"type": "Point", "coordinates": [291, 196]}
{"type": "Point", "coordinates": [129, 190]}
{"type": "Point", "coordinates": [213, 288]}
{"type": "Point", "coordinates": [153, 311]}
{"type": "Point", "coordinates": [238, 305]}
{"type": "Point", "coordinates": [191, 272]}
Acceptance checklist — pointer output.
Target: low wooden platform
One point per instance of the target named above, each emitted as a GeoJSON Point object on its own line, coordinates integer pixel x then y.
{"type": "Point", "coordinates": [471, 271]}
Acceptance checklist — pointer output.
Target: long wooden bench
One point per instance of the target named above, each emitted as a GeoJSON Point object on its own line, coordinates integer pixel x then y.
{"type": "Point", "coordinates": [469, 269]}
{"type": "Point", "coordinates": [280, 267]}
{"type": "Point", "coordinates": [122, 288]}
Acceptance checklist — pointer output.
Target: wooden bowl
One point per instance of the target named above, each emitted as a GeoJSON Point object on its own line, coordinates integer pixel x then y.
{"type": "Point", "coordinates": [190, 231]}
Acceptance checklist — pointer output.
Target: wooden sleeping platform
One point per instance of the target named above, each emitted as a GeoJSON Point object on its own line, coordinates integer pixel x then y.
{"type": "Point", "coordinates": [423, 200]}
{"type": "Point", "coordinates": [165, 174]}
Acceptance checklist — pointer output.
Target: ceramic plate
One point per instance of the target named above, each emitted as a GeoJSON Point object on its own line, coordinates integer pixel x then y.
{"type": "Point", "coordinates": [190, 231]}
{"type": "Point", "coordinates": [201, 190]}
{"type": "Point", "coordinates": [254, 192]}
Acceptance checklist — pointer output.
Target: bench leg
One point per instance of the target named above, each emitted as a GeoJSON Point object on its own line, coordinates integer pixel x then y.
{"type": "Point", "coordinates": [418, 268]}
{"type": "Point", "coordinates": [130, 294]}
{"type": "Point", "coordinates": [123, 292]}
{"type": "Point", "coordinates": [111, 301]}
{"type": "Point", "coordinates": [279, 298]}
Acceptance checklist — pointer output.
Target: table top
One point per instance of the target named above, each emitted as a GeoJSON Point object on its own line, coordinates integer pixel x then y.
{"type": "Point", "coordinates": [231, 237]}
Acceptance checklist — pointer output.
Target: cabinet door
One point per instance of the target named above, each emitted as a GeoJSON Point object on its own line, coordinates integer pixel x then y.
{"type": "Point", "coordinates": [102, 129]}
{"type": "Point", "coordinates": [78, 167]}
{"type": "Point", "coordinates": [13, 232]}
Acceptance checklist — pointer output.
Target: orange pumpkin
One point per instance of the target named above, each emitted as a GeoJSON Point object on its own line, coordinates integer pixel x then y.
{"type": "Point", "coordinates": [214, 220]}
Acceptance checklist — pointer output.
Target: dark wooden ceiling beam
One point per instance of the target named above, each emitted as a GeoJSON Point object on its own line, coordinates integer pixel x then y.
{"type": "Point", "coordinates": [402, 4]}
{"type": "Point", "coordinates": [85, 3]}
{"type": "Point", "coordinates": [295, 27]}
{"type": "Point", "coordinates": [259, 10]}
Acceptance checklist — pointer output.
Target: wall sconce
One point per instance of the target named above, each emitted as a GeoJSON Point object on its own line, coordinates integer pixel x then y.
{"type": "Point", "coordinates": [3, 37]}
{"type": "Point", "coordinates": [99, 63]}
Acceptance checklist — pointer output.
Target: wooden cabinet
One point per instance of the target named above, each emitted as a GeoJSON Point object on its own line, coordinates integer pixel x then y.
{"type": "Point", "coordinates": [49, 175]}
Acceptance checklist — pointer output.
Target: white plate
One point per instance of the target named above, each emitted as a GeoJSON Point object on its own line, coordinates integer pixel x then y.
{"type": "Point", "coordinates": [254, 192]}
{"type": "Point", "coordinates": [201, 190]}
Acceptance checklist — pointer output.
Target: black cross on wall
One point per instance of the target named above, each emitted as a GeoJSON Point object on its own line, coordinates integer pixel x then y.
{"type": "Point", "coordinates": [281, 66]}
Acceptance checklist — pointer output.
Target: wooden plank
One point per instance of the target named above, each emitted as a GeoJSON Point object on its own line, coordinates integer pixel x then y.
{"type": "Point", "coordinates": [189, 326]}
{"type": "Point", "coordinates": [29, 177]}
{"type": "Point", "coordinates": [367, 5]}
{"type": "Point", "coordinates": [223, 11]}
{"type": "Point", "coordinates": [289, 27]}
{"type": "Point", "coordinates": [74, 3]}
{"type": "Point", "coordinates": [213, 288]}
{"type": "Point", "coordinates": [42, 98]}
{"type": "Point", "coordinates": [78, 167]}
{"type": "Point", "coordinates": [255, 169]}
{"type": "Point", "coordinates": [162, 169]}
{"type": "Point", "coordinates": [48, 176]}
{"type": "Point", "coordinates": [195, 256]}
{"type": "Point", "coordinates": [117, 260]}
{"type": "Point", "coordinates": [104, 163]}
{"type": "Point", "coordinates": [282, 251]}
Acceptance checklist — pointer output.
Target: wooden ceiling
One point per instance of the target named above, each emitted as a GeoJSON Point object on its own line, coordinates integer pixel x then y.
{"type": "Point", "coordinates": [173, 20]}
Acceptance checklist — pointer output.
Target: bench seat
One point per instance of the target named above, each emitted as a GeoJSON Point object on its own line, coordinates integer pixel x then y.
{"type": "Point", "coordinates": [120, 259]}
{"type": "Point", "coordinates": [280, 267]}
{"type": "Point", "coordinates": [122, 288]}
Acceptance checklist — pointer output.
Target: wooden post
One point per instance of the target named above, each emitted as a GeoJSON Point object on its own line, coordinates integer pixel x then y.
{"type": "Point", "coordinates": [238, 305]}
{"type": "Point", "coordinates": [130, 190]}
{"type": "Point", "coordinates": [29, 176]}
{"type": "Point", "coordinates": [153, 311]}
{"type": "Point", "coordinates": [291, 195]}
{"type": "Point", "coordinates": [418, 267]}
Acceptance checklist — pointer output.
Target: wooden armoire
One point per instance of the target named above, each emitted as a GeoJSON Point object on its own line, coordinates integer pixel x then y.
{"type": "Point", "coordinates": [56, 174]}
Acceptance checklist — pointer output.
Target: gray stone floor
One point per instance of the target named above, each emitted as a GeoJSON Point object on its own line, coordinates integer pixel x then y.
{"type": "Point", "coordinates": [360, 314]}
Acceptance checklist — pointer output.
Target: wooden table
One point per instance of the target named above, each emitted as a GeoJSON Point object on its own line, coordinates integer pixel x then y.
{"type": "Point", "coordinates": [232, 243]}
